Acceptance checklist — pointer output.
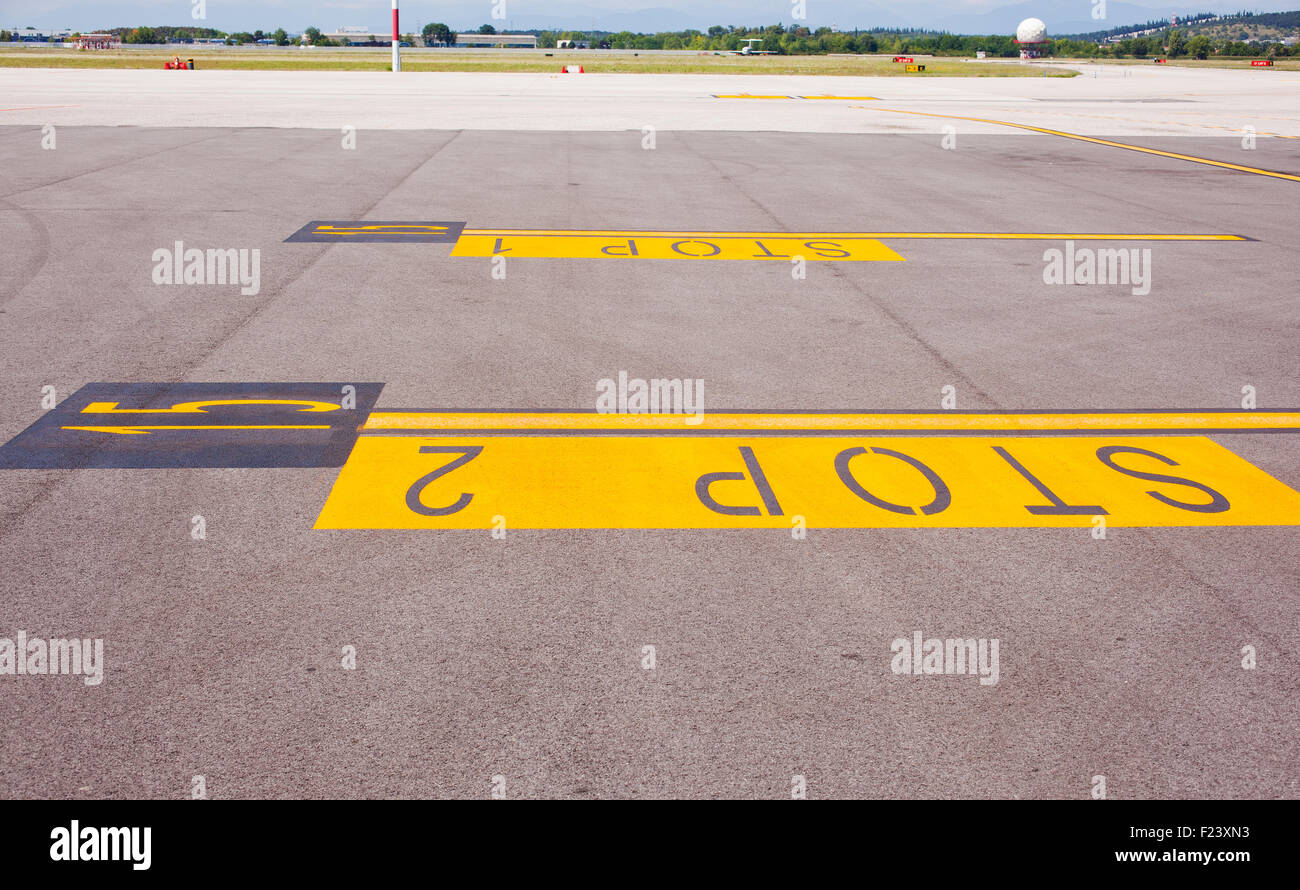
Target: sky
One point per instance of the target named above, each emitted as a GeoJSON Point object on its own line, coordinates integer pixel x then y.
{"type": "Point", "coordinates": [963, 16]}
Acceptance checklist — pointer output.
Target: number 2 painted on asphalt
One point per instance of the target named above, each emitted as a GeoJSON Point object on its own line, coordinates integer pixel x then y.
{"type": "Point", "coordinates": [467, 453]}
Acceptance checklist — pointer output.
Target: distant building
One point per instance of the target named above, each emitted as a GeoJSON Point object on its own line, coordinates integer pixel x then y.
{"type": "Point", "coordinates": [355, 34]}
{"type": "Point", "coordinates": [40, 35]}
{"type": "Point", "coordinates": [99, 41]}
{"type": "Point", "coordinates": [513, 41]}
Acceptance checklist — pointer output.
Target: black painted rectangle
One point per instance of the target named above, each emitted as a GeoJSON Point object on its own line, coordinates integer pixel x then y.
{"type": "Point", "coordinates": [139, 432]}
{"type": "Point", "coordinates": [373, 231]}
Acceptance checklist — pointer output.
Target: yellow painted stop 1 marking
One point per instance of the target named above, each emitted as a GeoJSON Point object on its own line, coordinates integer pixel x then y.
{"type": "Point", "coordinates": [780, 246]}
{"type": "Point", "coordinates": [466, 481]}
{"type": "Point", "coordinates": [675, 246]}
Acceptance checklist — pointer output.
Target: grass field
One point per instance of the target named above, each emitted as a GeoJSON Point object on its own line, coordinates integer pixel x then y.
{"type": "Point", "coordinates": [525, 61]}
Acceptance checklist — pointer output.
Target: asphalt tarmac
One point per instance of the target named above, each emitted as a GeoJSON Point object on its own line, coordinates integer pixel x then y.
{"type": "Point", "coordinates": [523, 656]}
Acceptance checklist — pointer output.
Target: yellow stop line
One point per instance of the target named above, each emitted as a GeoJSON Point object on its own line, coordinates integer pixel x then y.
{"type": "Point", "coordinates": [1151, 151]}
{"type": "Point", "coordinates": [976, 236]}
{"type": "Point", "coordinates": [939, 423]}
{"type": "Point", "coordinates": [750, 246]}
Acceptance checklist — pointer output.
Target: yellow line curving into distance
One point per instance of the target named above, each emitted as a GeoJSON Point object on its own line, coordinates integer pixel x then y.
{"type": "Point", "coordinates": [1150, 151]}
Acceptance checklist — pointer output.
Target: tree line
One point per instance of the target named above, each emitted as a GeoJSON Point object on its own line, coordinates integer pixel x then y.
{"type": "Point", "coordinates": [1154, 25]}
{"type": "Point", "coordinates": [797, 40]}
{"type": "Point", "coordinates": [1171, 44]}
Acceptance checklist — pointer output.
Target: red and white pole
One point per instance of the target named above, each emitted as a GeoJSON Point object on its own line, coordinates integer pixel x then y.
{"type": "Point", "coordinates": [397, 55]}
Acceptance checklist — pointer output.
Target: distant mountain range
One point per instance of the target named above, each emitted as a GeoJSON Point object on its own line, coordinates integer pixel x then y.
{"type": "Point", "coordinates": [1073, 16]}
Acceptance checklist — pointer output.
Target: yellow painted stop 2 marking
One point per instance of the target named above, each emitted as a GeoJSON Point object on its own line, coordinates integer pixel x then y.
{"type": "Point", "coordinates": [464, 481]}
{"type": "Point", "coordinates": [675, 246]}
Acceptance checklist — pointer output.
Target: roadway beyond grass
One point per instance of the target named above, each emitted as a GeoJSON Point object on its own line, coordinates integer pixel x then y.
{"type": "Point", "coordinates": [517, 61]}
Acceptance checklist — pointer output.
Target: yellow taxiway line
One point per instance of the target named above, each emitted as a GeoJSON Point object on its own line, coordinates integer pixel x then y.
{"type": "Point", "coordinates": [977, 236]}
{"type": "Point", "coordinates": [1093, 139]}
{"type": "Point", "coordinates": [946, 422]}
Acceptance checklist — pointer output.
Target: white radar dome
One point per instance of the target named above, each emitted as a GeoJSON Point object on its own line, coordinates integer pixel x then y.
{"type": "Point", "coordinates": [1031, 31]}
